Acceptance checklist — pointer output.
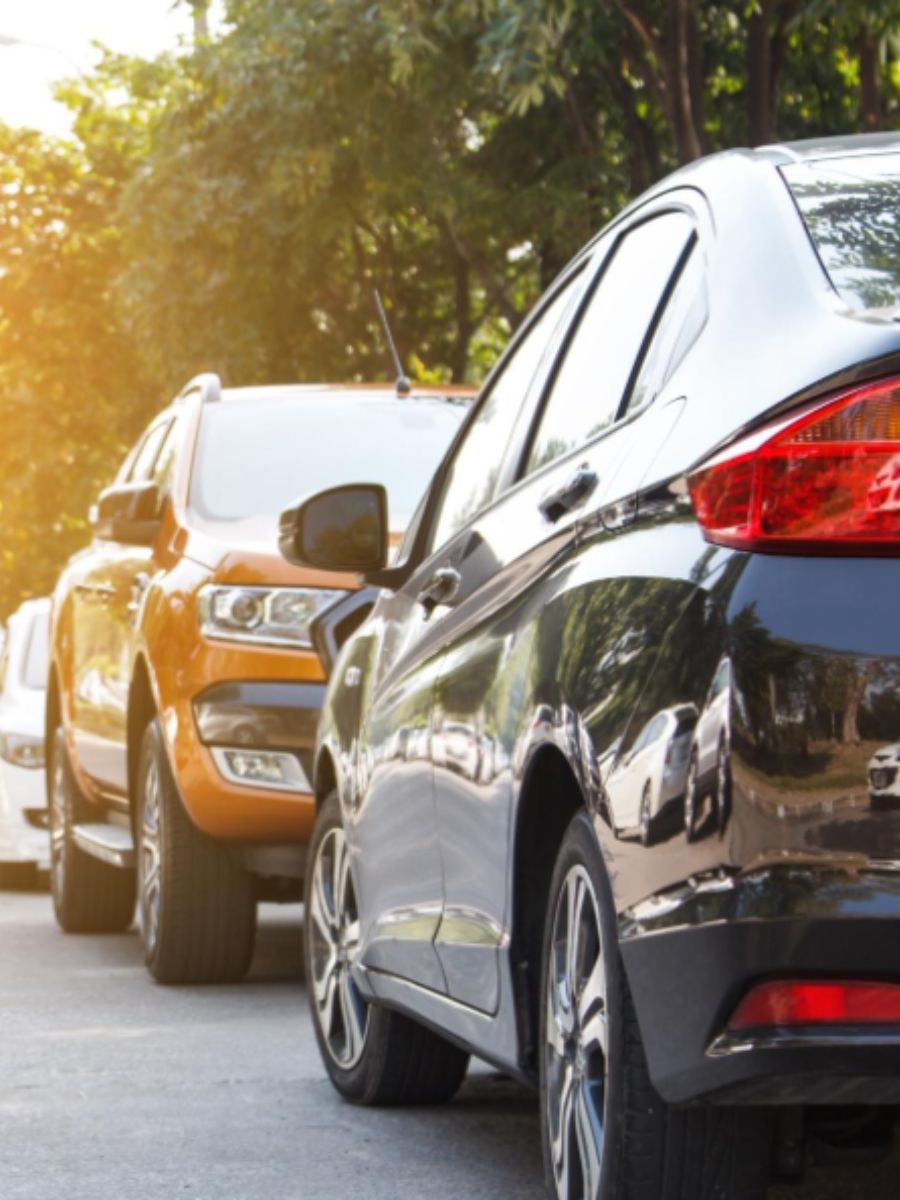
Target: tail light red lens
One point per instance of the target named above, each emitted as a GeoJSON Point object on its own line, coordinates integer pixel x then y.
{"type": "Point", "coordinates": [828, 482]}
{"type": "Point", "coordinates": [815, 1002]}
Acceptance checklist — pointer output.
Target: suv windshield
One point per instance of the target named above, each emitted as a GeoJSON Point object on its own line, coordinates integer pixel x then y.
{"type": "Point", "coordinates": [257, 456]}
{"type": "Point", "coordinates": [851, 209]}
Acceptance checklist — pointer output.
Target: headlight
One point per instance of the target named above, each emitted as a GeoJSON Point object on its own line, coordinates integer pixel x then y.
{"type": "Point", "coordinates": [269, 616]}
{"type": "Point", "coordinates": [21, 750]}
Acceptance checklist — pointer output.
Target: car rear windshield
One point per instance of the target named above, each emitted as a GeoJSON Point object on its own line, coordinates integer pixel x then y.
{"type": "Point", "coordinates": [256, 456]}
{"type": "Point", "coordinates": [851, 208]}
{"type": "Point", "coordinates": [36, 657]}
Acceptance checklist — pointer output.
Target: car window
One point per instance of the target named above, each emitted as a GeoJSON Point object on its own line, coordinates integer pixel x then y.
{"type": "Point", "coordinates": [475, 471]}
{"type": "Point", "coordinates": [598, 362]}
{"type": "Point", "coordinates": [141, 468]}
{"type": "Point", "coordinates": [676, 329]}
{"type": "Point", "coordinates": [164, 464]}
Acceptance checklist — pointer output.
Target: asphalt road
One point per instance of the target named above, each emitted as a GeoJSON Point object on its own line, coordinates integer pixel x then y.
{"type": "Point", "coordinates": [112, 1087]}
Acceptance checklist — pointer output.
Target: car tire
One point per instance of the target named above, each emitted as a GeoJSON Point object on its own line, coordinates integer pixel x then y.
{"type": "Point", "coordinates": [89, 896]}
{"type": "Point", "coordinates": [723, 785]}
{"type": "Point", "coordinates": [645, 818]}
{"type": "Point", "coordinates": [373, 1056]}
{"type": "Point", "coordinates": [197, 905]}
{"type": "Point", "coordinates": [691, 798]}
{"type": "Point", "coordinates": [606, 1132]}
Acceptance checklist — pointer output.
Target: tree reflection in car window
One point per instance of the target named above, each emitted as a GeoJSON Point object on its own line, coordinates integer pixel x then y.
{"type": "Point", "coordinates": [851, 209]}
{"type": "Point", "coordinates": [599, 360]}
{"type": "Point", "coordinates": [475, 472]}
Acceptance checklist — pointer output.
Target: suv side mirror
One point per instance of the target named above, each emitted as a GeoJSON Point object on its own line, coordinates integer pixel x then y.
{"type": "Point", "coordinates": [340, 529]}
{"type": "Point", "coordinates": [128, 513]}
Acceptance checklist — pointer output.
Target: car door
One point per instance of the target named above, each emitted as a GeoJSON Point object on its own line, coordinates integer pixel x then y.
{"type": "Point", "coordinates": [573, 449]}
{"type": "Point", "coordinates": [105, 595]}
{"type": "Point", "coordinates": [393, 829]}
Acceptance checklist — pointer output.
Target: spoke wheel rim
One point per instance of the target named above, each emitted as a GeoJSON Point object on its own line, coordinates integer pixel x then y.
{"type": "Point", "coordinates": [58, 817]}
{"type": "Point", "coordinates": [150, 857]}
{"type": "Point", "coordinates": [333, 945]}
{"type": "Point", "coordinates": [576, 1043]}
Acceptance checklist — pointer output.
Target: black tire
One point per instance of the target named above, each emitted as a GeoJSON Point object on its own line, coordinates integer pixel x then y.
{"type": "Point", "coordinates": [648, 1150]}
{"type": "Point", "coordinates": [645, 819]}
{"type": "Point", "coordinates": [198, 906]}
{"type": "Point", "coordinates": [691, 798]}
{"type": "Point", "coordinates": [392, 1060]}
{"type": "Point", "coordinates": [89, 896]}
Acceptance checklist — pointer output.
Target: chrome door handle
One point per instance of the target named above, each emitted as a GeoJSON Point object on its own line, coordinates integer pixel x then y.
{"type": "Point", "coordinates": [571, 495]}
{"type": "Point", "coordinates": [440, 588]}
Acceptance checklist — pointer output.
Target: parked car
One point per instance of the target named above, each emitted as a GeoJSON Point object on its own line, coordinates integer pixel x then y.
{"type": "Point", "coordinates": [709, 768]}
{"type": "Point", "coordinates": [184, 690]}
{"type": "Point", "coordinates": [669, 467]}
{"type": "Point", "coordinates": [653, 774]}
{"type": "Point", "coordinates": [24, 842]}
{"type": "Point", "coordinates": [884, 777]}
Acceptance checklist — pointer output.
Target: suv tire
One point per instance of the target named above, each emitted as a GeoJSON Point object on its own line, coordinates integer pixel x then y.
{"type": "Point", "coordinates": [373, 1056]}
{"type": "Point", "coordinates": [606, 1131]}
{"type": "Point", "coordinates": [198, 906]}
{"type": "Point", "coordinates": [89, 896]}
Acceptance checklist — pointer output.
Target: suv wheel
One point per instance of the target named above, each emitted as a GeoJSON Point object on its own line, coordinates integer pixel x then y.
{"type": "Point", "coordinates": [89, 896]}
{"type": "Point", "coordinates": [372, 1056]}
{"type": "Point", "coordinates": [606, 1132]}
{"type": "Point", "coordinates": [198, 908]}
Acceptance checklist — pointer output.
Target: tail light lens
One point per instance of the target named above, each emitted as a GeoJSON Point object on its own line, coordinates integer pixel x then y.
{"type": "Point", "coordinates": [815, 1002]}
{"type": "Point", "coordinates": [828, 481]}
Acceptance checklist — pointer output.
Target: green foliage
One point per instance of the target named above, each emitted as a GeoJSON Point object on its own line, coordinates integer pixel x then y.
{"type": "Point", "coordinates": [231, 207]}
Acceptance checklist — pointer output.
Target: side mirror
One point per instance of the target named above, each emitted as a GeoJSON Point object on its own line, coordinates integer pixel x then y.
{"type": "Point", "coordinates": [340, 529]}
{"type": "Point", "coordinates": [128, 513]}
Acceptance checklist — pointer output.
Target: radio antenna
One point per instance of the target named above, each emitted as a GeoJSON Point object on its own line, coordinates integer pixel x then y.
{"type": "Point", "coordinates": [403, 386]}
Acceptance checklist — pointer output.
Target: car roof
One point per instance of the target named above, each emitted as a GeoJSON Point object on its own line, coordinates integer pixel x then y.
{"type": "Point", "coordinates": [811, 149]}
{"type": "Point", "coordinates": [352, 393]}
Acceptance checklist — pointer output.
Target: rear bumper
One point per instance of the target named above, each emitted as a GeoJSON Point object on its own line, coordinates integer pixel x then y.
{"type": "Point", "coordinates": [691, 955]}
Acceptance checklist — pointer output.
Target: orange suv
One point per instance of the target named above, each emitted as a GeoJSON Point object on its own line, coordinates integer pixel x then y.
{"type": "Point", "coordinates": [184, 688]}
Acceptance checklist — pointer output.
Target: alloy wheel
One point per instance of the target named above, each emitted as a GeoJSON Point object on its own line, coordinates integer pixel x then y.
{"type": "Point", "coordinates": [334, 932]}
{"type": "Point", "coordinates": [576, 1041]}
{"type": "Point", "coordinates": [150, 882]}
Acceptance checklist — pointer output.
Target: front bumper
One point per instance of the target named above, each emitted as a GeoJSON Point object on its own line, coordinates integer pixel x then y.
{"type": "Point", "coordinates": [692, 954]}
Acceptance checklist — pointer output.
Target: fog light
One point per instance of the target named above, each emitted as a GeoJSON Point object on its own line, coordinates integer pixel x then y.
{"type": "Point", "coordinates": [261, 768]}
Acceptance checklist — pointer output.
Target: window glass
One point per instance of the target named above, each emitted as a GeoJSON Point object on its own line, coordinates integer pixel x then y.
{"type": "Point", "coordinates": [165, 460]}
{"type": "Point", "coordinates": [599, 360]}
{"type": "Point", "coordinates": [142, 465]}
{"type": "Point", "coordinates": [475, 473]}
{"type": "Point", "coordinates": [851, 209]}
{"type": "Point", "coordinates": [677, 328]}
{"type": "Point", "coordinates": [37, 657]}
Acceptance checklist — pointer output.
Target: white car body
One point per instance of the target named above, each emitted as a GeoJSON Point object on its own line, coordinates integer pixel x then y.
{"type": "Point", "coordinates": [884, 774]}
{"type": "Point", "coordinates": [658, 760]}
{"type": "Point", "coordinates": [713, 725]}
{"type": "Point", "coordinates": [23, 690]}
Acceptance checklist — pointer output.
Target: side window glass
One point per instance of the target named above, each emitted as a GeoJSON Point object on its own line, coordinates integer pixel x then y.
{"type": "Point", "coordinates": [143, 462]}
{"type": "Point", "coordinates": [475, 471]}
{"type": "Point", "coordinates": [676, 330]}
{"type": "Point", "coordinates": [598, 363]}
{"type": "Point", "coordinates": [164, 466]}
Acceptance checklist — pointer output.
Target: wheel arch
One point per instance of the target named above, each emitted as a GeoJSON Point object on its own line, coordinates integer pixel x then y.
{"type": "Point", "coordinates": [549, 798]}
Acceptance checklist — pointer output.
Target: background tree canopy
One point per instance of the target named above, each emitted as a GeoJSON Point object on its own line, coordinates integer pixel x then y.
{"type": "Point", "coordinates": [231, 207]}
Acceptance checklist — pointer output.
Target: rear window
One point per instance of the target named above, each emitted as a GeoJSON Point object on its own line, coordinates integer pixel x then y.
{"type": "Point", "coordinates": [257, 456]}
{"type": "Point", "coordinates": [36, 657]}
{"type": "Point", "coordinates": [851, 209]}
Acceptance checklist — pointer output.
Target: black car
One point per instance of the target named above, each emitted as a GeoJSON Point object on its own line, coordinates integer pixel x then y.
{"type": "Point", "coordinates": [689, 457]}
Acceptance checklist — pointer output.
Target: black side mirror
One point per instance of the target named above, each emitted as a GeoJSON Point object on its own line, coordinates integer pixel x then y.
{"type": "Point", "coordinates": [128, 513]}
{"type": "Point", "coordinates": [340, 529]}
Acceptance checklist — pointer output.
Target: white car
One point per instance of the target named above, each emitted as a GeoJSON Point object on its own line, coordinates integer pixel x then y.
{"type": "Point", "coordinates": [24, 841]}
{"type": "Point", "coordinates": [709, 771]}
{"type": "Point", "coordinates": [884, 777]}
{"type": "Point", "coordinates": [652, 774]}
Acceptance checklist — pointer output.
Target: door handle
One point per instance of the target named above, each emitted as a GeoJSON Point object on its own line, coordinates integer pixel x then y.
{"type": "Point", "coordinates": [571, 495]}
{"type": "Point", "coordinates": [440, 588]}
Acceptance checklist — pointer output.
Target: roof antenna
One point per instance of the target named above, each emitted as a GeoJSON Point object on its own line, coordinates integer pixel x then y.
{"type": "Point", "coordinates": [402, 386]}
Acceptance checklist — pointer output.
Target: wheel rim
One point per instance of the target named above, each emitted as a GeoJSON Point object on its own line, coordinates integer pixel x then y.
{"type": "Point", "coordinates": [333, 922]}
{"type": "Point", "coordinates": [576, 1049]}
{"type": "Point", "coordinates": [58, 820]}
{"type": "Point", "coordinates": [645, 814]}
{"type": "Point", "coordinates": [690, 796]}
{"type": "Point", "coordinates": [150, 889]}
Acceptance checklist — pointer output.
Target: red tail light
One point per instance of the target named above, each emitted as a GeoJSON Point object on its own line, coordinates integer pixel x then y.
{"type": "Point", "coordinates": [813, 1002]}
{"type": "Point", "coordinates": [829, 481]}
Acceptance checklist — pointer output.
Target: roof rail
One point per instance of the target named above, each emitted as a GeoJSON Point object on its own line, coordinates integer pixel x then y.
{"type": "Point", "coordinates": [209, 385]}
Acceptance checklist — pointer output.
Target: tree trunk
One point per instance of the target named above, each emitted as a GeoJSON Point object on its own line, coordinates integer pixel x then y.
{"type": "Point", "coordinates": [869, 82]}
{"type": "Point", "coordinates": [760, 107]}
{"type": "Point", "coordinates": [681, 18]}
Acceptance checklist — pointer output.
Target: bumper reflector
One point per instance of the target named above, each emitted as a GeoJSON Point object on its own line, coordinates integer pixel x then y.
{"type": "Point", "coordinates": [818, 1002]}
{"type": "Point", "coordinates": [261, 768]}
